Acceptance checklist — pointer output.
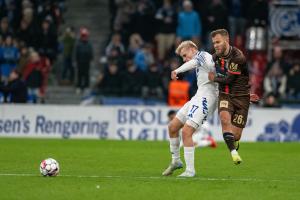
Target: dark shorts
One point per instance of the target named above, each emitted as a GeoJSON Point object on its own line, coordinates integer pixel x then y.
{"type": "Point", "coordinates": [237, 106]}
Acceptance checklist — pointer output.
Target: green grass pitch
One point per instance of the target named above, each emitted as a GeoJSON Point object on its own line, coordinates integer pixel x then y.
{"type": "Point", "coordinates": [99, 169]}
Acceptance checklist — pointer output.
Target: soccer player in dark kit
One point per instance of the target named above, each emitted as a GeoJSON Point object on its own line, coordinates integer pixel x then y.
{"type": "Point", "coordinates": [234, 90]}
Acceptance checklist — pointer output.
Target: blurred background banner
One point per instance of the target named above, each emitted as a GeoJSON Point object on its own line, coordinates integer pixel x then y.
{"type": "Point", "coordinates": [285, 21]}
{"type": "Point", "coordinates": [133, 123]}
{"type": "Point", "coordinates": [55, 121]}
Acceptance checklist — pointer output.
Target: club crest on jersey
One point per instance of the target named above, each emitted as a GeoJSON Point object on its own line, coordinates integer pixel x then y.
{"type": "Point", "coordinates": [223, 104]}
{"type": "Point", "coordinates": [233, 67]}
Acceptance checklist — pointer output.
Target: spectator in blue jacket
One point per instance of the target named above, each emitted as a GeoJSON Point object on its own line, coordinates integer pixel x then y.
{"type": "Point", "coordinates": [144, 57]}
{"type": "Point", "coordinates": [9, 56]}
{"type": "Point", "coordinates": [189, 26]}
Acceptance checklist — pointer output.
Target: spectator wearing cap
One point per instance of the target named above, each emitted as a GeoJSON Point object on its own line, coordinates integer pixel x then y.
{"type": "Point", "coordinates": [84, 56]}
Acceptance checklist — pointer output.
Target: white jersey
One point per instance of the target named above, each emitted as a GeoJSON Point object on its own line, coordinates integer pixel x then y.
{"type": "Point", "coordinates": [203, 103]}
{"type": "Point", "coordinates": [203, 63]}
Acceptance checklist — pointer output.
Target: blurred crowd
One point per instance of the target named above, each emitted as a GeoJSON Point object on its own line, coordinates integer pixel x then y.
{"type": "Point", "coordinates": [28, 47]}
{"type": "Point", "coordinates": [140, 53]}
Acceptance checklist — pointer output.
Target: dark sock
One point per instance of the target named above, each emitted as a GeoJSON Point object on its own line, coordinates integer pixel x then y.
{"type": "Point", "coordinates": [238, 145]}
{"type": "Point", "coordinates": [229, 139]}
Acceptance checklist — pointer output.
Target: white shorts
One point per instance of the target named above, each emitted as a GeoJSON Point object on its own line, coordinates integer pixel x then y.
{"type": "Point", "coordinates": [196, 111]}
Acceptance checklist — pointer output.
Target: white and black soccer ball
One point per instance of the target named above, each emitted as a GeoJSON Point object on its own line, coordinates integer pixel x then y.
{"type": "Point", "coordinates": [49, 167]}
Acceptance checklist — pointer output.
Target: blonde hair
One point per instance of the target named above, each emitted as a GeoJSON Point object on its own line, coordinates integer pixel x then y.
{"type": "Point", "coordinates": [185, 44]}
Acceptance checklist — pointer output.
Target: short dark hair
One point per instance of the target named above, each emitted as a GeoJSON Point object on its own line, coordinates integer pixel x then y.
{"type": "Point", "coordinates": [171, 112]}
{"type": "Point", "coordinates": [222, 32]}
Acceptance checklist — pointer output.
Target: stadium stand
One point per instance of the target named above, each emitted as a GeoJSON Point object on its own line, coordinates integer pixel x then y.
{"type": "Point", "coordinates": [139, 40]}
{"type": "Point", "coordinates": [270, 59]}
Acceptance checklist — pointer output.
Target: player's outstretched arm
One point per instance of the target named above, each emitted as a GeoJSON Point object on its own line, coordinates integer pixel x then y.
{"type": "Point", "coordinates": [187, 66]}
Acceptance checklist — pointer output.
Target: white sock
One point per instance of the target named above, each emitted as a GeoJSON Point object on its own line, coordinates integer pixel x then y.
{"type": "Point", "coordinates": [175, 149]}
{"type": "Point", "coordinates": [234, 152]}
{"type": "Point", "coordinates": [189, 158]}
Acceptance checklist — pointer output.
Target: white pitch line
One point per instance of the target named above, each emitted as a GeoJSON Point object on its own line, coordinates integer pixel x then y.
{"type": "Point", "coordinates": [161, 178]}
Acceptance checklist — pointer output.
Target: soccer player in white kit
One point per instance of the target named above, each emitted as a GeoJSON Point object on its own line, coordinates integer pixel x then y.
{"type": "Point", "coordinates": [195, 112]}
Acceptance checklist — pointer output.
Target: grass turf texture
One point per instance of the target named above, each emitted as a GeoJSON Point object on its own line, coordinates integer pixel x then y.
{"type": "Point", "coordinates": [95, 169]}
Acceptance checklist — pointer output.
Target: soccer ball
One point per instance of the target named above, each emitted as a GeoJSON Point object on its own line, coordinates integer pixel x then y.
{"type": "Point", "coordinates": [49, 167]}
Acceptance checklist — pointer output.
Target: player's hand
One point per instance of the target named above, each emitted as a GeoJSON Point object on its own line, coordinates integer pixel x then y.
{"type": "Point", "coordinates": [211, 76]}
{"type": "Point", "coordinates": [254, 98]}
{"type": "Point", "coordinates": [174, 75]}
